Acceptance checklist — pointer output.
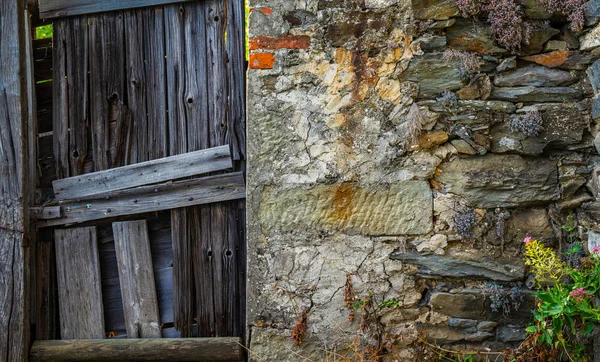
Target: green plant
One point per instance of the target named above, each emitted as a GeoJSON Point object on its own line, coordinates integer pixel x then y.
{"type": "Point", "coordinates": [565, 308]}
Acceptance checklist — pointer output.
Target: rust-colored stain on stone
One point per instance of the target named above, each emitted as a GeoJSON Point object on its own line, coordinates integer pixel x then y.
{"type": "Point", "coordinates": [341, 207]}
{"type": "Point", "coordinates": [550, 60]}
{"type": "Point", "coordinates": [266, 11]}
{"type": "Point", "coordinates": [282, 42]}
{"type": "Point", "coordinates": [262, 60]}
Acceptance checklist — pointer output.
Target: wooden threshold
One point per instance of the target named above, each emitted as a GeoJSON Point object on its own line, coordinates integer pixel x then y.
{"type": "Point", "coordinates": [142, 349]}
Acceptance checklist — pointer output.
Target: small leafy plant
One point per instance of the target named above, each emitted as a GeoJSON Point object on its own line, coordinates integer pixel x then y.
{"type": "Point", "coordinates": [504, 299]}
{"type": "Point", "coordinates": [529, 124]}
{"type": "Point", "coordinates": [565, 308]}
{"type": "Point", "coordinates": [464, 222]}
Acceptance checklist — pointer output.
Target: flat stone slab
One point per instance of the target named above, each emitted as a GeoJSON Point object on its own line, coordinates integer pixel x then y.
{"type": "Point", "coordinates": [501, 180]}
{"type": "Point", "coordinates": [456, 265]}
{"type": "Point", "coordinates": [396, 209]}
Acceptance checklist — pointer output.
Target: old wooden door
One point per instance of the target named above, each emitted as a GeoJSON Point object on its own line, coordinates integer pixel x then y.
{"type": "Point", "coordinates": [133, 85]}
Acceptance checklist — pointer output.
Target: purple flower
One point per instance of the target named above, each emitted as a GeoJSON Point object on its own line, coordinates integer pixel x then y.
{"type": "Point", "coordinates": [579, 294]}
{"type": "Point", "coordinates": [596, 249]}
{"type": "Point", "coordinates": [527, 240]}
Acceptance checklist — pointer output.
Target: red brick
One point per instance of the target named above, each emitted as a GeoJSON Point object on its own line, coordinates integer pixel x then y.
{"type": "Point", "coordinates": [282, 42]}
{"type": "Point", "coordinates": [266, 11]}
{"type": "Point", "coordinates": [262, 60]}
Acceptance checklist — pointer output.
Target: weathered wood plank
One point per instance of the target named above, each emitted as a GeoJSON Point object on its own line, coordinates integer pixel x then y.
{"type": "Point", "coordinates": [46, 292]}
{"type": "Point", "coordinates": [182, 272]}
{"type": "Point", "coordinates": [14, 197]}
{"type": "Point", "coordinates": [203, 268]}
{"type": "Point", "coordinates": [79, 292]}
{"type": "Point", "coordinates": [154, 46]}
{"type": "Point", "coordinates": [145, 173]}
{"type": "Point", "coordinates": [45, 213]}
{"type": "Point", "coordinates": [60, 8]}
{"type": "Point", "coordinates": [136, 275]}
{"type": "Point", "coordinates": [60, 112]}
{"type": "Point", "coordinates": [236, 79]}
{"type": "Point", "coordinates": [144, 199]}
{"type": "Point", "coordinates": [153, 349]}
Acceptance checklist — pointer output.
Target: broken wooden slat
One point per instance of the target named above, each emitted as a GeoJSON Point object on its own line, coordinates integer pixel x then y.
{"type": "Point", "coordinates": [145, 173]}
{"type": "Point", "coordinates": [153, 349]}
{"type": "Point", "coordinates": [45, 213]}
{"type": "Point", "coordinates": [144, 199]}
{"type": "Point", "coordinates": [79, 292]}
{"type": "Point", "coordinates": [59, 8]}
{"type": "Point", "coordinates": [136, 274]}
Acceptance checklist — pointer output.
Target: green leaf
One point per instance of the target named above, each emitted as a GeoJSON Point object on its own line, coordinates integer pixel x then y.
{"type": "Point", "coordinates": [545, 297]}
{"type": "Point", "coordinates": [531, 329]}
{"type": "Point", "coordinates": [588, 328]}
{"type": "Point", "coordinates": [557, 323]}
{"type": "Point", "coordinates": [570, 321]}
{"type": "Point", "coordinates": [554, 309]}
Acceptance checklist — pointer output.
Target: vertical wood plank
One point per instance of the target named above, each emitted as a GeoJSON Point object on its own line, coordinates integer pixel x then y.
{"type": "Point", "coordinates": [203, 257]}
{"type": "Point", "coordinates": [60, 112]}
{"type": "Point", "coordinates": [136, 275]}
{"type": "Point", "coordinates": [219, 239]}
{"type": "Point", "coordinates": [236, 79]}
{"type": "Point", "coordinates": [182, 272]}
{"type": "Point", "coordinates": [46, 291]}
{"type": "Point", "coordinates": [79, 291]}
{"type": "Point", "coordinates": [77, 93]}
{"type": "Point", "coordinates": [154, 47]}
{"type": "Point", "coordinates": [14, 198]}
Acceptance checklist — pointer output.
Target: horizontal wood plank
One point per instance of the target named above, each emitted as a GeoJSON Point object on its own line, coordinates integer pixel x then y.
{"type": "Point", "coordinates": [45, 213]}
{"type": "Point", "coordinates": [145, 173]}
{"type": "Point", "coordinates": [60, 8]}
{"type": "Point", "coordinates": [152, 349]}
{"type": "Point", "coordinates": [140, 200]}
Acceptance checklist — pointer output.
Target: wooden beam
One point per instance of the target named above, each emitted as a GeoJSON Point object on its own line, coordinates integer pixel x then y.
{"type": "Point", "coordinates": [59, 8]}
{"type": "Point", "coordinates": [14, 195]}
{"type": "Point", "coordinates": [136, 275]}
{"type": "Point", "coordinates": [146, 173]}
{"type": "Point", "coordinates": [79, 292]}
{"type": "Point", "coordinates": [144, 199]}
{"type": "Point", "coordinates": [154, 349]}
{"type": "Point", "coordinates": [45, 213]}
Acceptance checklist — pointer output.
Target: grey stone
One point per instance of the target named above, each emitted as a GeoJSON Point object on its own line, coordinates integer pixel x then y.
{"type": "Point", "coordinates": [590, 40]}
{"type": "Point", "coordinates": [470, 306]}
{"type": "Point", "coordinates": [578, 61]}
{"type": "Point", "coordinates": [466, 106]}
{"type": "Point", "coordinates": [597, 142]}
{"type": "Point", "coordinates": [443, 334]}
{"type": "Point", "coordinates": [433, 74]}
{"type": "Point", "coordinates": [596, 108]}
{"type": "Point", "coordinates": [552, 45]}
{"type": "Point", "coordinates": [540, 34]}
{"type": "Point", "coordinates": [479, 336]}
{"type": "Point", "coordinates": [564, 124]}
{"type": "Point", "coordinates": [473, 36]}
{"type": "Point", "coordinates": [486, 326]}
{"type": "Point", "coordinates": [434, 9]}
{"type": "Point", "coordinates": [462, 323]}
{"type": "Point", "coordinates": [511, 334]}
{"type": "Point", "coordinates": [537, 94]}
{"type": "Point", "coordinates": [528, 222]}
{"type": "Point", "coordinates": [463, 146]}
{"type": "Point", "coordinates": [364, 209]}
{"type": "Point", "coordinates": [536, 76]}
{"type": "Point", "coordinates": [588, 215]}
{"type": "Point", "coordinates": [458, 264]}
{"type": "Point", "coordinates": [593, 240]}
{"type": "Point", "coordinates": [507, 64]}
{"type": "Point", "coordinates": [432, 43]}
{"type": "Point", "coordinates": [442, 24]}
{"type": "Point", "coordinates": [593, 73]}
{"type": "Point", "coordinates": [501, 180]}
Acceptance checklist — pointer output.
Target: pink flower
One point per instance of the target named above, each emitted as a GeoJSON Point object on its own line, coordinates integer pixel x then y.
{"type": "Point", "coordinates": [579, 294]}
{"type": "Point", "coordinates": [527, 240]}
{"type": "Point", "coordinates": [596, 249]}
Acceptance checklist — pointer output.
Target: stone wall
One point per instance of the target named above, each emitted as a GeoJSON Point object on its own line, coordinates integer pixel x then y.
{"type": "Point", "coordinates": [342, 184]}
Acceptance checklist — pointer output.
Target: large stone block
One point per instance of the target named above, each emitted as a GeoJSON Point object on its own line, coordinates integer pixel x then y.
{"type": "Point", "coordinates": [396, 209]}
{"type": "Point", "coordinates": [501, 180]}
{"type": "Point", "coordinates": [433, 74]}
